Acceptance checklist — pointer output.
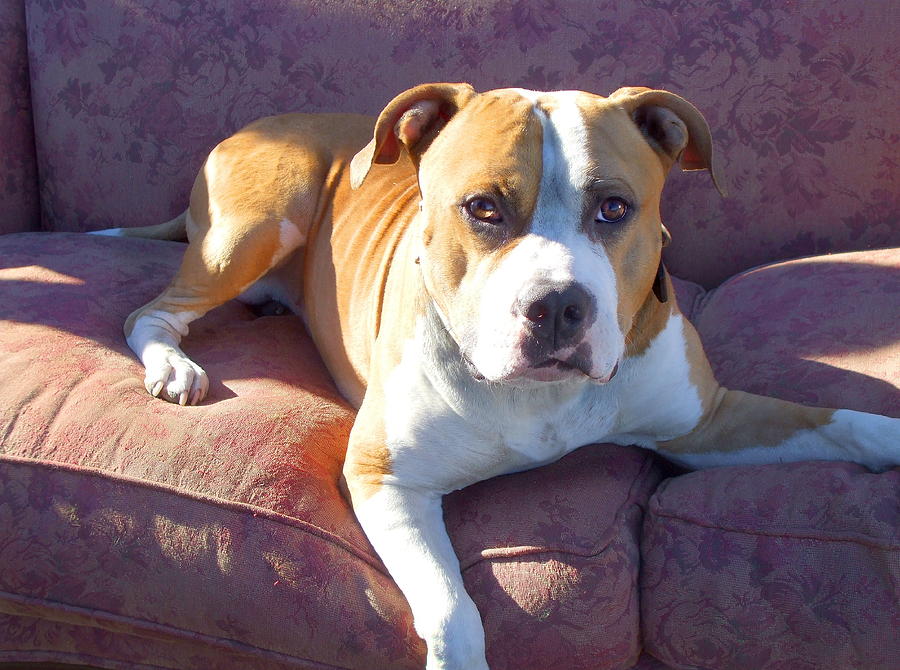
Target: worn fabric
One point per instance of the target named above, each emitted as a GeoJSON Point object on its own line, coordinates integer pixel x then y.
{"type": "Point", "coordinates": [794, 566]}
{"type": "Point", "coordinates": [222, 526]}
{"type": "Point", "coordinates": [820, 331]}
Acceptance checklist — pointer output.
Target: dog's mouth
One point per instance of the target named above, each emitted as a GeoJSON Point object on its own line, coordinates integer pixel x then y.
{"type": "Point", "coordinates": [549, 370]}
{"type": "Point", "coordinates": [567, 368]}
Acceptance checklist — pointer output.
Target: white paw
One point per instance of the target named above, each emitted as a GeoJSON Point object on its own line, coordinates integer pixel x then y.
{"type": "Point", "coordinates": [874, 440]}
{"type": "Point", "coordinates": [460, 643]}
{"type": "Point", "coordinates": [434, 663]}
{"type": "Point", "coordinates": [174, 377]}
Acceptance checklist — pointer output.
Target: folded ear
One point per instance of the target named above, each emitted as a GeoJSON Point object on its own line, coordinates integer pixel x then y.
{"type": "Point", "coordinates": [673, 127]}
{"type": "Point", "coordinates": [412, 120]}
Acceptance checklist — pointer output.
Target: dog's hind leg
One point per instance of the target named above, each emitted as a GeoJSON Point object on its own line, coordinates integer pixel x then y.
{"type": "Point", "coordinates": [216, 268]}
{"type": "Point", "coordinates": [251, 208]}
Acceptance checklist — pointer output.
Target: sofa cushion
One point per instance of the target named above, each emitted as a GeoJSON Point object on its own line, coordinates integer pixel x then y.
{"type": "Point", "coordinates": [773, 567]}
{"type": "Point", "coordinates": [130, 96]}
{"type": "Point", "coordinates": [551, 557]}
{"type": "Point", "coordinates": [219, 530]}
{"type": "Point", "coordinates": [791, 566]}
{"type": "Point", "coordinates": [819, 331]}
{"type": "Point", "coordinates": [222, 522]}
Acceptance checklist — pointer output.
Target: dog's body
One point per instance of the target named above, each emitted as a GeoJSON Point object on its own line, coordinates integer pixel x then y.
{"type": "Point", "coordinates": [490, 298]}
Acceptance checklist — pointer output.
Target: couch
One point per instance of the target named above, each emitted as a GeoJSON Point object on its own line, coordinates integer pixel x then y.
{"type": "Point", "coordinates": [138, 534]}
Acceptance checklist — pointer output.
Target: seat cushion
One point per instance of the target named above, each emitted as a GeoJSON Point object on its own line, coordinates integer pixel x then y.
{"type": "Point", "coordinates": [819, 331]}
{"type": "Point", "coordinates": [786, 566]}
{"type": "Point", "coordinates": [139, 532]}
{"type": "Point", "coordinates": [221, 524]}
{"type": "Point", "coordinates": [551, 557]}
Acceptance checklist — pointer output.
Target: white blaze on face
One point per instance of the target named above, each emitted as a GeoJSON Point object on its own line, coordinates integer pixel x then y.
{"type": "Point", "coordinates": [555, 249]}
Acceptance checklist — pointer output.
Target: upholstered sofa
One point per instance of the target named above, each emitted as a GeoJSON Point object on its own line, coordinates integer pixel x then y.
{"type": "Point", "coordinates": [138, 534]}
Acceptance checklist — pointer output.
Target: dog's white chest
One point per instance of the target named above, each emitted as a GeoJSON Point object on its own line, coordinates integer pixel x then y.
{"type": "Point", "coordinates": [446, 430]}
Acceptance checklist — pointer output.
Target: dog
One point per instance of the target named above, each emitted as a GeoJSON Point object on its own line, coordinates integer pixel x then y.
{"type": "Point", "coordinates": [482, 275]}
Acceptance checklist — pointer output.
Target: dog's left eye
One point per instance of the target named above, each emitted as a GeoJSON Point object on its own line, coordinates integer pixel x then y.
{"type": "Point", "coordinates": [484, 209]}
{"type": "Point", "coordinates": [612, 210]}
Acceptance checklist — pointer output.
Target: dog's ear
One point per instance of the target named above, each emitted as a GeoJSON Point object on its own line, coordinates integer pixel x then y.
{"type": "Point", "coordinates": [673, 127]}
{"type": "Point", "coordinates": [410, 120]}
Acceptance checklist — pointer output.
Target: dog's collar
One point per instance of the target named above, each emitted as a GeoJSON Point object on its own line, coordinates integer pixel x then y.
{"type": "Point", "coordinates": [660, 289]}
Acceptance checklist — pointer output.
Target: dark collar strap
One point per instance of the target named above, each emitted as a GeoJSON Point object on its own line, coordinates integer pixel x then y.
{"type": "Point", "coordinates": [660, 289]}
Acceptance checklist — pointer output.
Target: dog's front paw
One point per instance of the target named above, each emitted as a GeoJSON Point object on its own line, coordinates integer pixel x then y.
{"type": "Point", "coordinates": [459, 658]}
{"type": "Point", "coordinates": [434, 663]}
{"type": "Point", "coordinates": [457, 644]}
{"type": "Point", "coordinates": [174, 377]}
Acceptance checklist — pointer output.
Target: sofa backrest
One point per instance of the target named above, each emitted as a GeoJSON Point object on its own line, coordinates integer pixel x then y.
{"type": "Point", "coordinates": [802, 98]}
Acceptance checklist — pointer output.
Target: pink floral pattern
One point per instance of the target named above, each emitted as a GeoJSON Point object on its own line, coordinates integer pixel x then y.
{"type": "Point", "coordinates": [122, 513]}
{"type": "Point", "coordinates": [238, 501]}
{"type": "Point", "coordinates": [773, 568]}
{"type": "Point", "coordinates": [129, 98]}
{"type": "Point", "coordinates": [820, 331]}
{"type": "Point", "coordinates": [555, 571]}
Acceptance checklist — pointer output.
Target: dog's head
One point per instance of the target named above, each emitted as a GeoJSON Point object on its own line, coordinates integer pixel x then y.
{"type": "Point", "coordinates": [540, 234]}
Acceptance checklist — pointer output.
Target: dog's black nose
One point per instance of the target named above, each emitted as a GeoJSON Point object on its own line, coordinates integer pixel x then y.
{"type": "Point", "coordinates": [558, 315]}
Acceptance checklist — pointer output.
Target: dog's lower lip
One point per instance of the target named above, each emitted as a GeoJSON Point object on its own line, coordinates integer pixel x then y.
{"type": "Point", "coordinates": [563, 365]}
{"type": "Point", "coordinates": [555, 362]}
{"type": "Point", "coordinates": [608, 379]}
{"type": "Point", "coordinates": [470, 366]}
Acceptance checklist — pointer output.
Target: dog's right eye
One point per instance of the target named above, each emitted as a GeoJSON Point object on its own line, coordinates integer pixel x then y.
{"type": "Point", "coordinates": [612, 210]}
{"type": "Point", "coordinates": [484, 209]}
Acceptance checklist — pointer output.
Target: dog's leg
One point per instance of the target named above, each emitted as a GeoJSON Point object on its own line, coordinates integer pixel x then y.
{"type": "Point", "coordinates": [738, 428]}
{"type": "Point", "coordinates": [252, 205]}
{"type": "Point", "coordinates": [403, 519]}
{"type": "Point", "coordinates": [219, 264]}
{"type": "Point", "coordinates": [744, 429]}
{"type": "Point", "coordinates": [406, 528]}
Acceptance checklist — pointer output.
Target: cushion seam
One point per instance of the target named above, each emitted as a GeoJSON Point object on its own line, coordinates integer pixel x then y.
{"type": "Point", "coordinates": [71, 658]}
{"type": "Point", "coordinates": [230, 505]}
{"type": "Point", "coordinates": [184, 633]}
{"type": "Point", "coordinates": [699, 303]}
{"type": "Point", "coordinates": [630, 501]}
{"type": "Point", "coordinates": [510, 553]}
{"type": "Point", "coordinates": [794, 535]}
{"type": "Point", "coordinates": [506, 553]}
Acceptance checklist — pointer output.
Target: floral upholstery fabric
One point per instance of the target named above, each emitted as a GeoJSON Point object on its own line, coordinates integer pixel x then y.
{"type": "Point", "coordinates": [830, 336]}
{"type": "Point", "coordinates": [223, 526]}
{"type": "Point", "coordinates": [775, 567]}
{"type": "Point", "coordinates": [134, 534]}
{"type": "Point", "coordinates": [802, 99]}
{"type": "Point", "coordinates": [132, 527]}
{"type": "Point", "coordinates": [18, 172]}
{"type": "Point", "coordinates": [557, 587]}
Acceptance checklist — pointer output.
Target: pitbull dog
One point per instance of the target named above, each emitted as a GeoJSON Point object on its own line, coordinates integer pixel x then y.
{"type": "Point", "coordinates": [482, 275]}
